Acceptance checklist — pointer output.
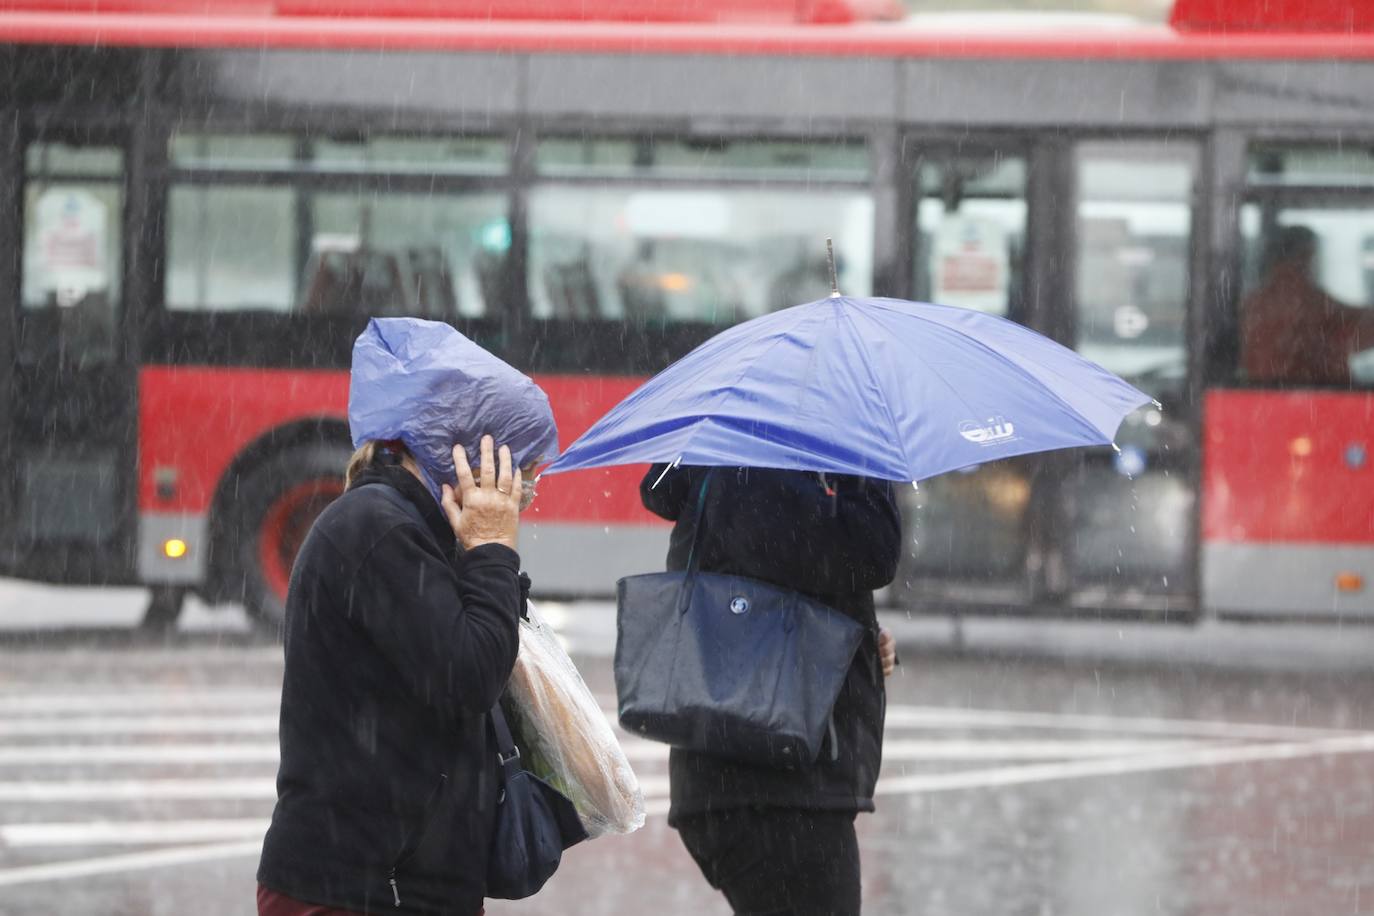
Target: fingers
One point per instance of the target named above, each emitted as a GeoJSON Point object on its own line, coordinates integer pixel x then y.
{"type": "Point", "coordinates": [887, 651]}
{"type": "Point", "coordinates": [503, 479]}
{"type": "Point", "coordinates": [460, 463]}
{"type": "Point", "coordinates": [449, 503]}
{"type": "Point", "coordinates": [488, 469]}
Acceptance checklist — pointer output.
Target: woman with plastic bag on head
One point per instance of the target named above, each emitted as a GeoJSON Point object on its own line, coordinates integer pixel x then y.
{"type": "Point", "coordinates": [401, 633]}
{"type": "Point", "coordinates": [781, 840]}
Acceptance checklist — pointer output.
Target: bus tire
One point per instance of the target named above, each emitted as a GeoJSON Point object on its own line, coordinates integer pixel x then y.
{"type": "Point", "coordinates": [278, 501]}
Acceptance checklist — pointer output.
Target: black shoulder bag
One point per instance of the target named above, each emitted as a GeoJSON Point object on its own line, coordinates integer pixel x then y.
{"type": "Point", "coordinates": [534, 824]}
{"type": "Point", "coordinates": [729, 665]}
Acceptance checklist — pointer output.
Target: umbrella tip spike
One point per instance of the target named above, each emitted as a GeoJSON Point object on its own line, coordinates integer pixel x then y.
{"type": "Point", "coordinates": [830, 259]}
{"type": "Point", "coordinates": [1158, 406]}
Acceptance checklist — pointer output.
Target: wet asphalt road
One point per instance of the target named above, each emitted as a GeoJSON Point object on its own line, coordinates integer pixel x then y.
{"type": "Point", "coordinates": [1046, 770]}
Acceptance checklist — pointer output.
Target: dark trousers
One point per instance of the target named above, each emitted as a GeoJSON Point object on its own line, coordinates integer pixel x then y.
{"type": "Point", "coordinates": [778, 861]}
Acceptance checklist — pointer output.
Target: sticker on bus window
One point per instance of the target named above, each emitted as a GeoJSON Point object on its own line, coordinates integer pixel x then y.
{"type": "Point", "coordinates": [71, 229]}
{"type": "Point", "coordinates": [970, 260]}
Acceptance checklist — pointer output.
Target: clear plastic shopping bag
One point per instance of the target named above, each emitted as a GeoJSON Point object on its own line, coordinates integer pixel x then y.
{"type": "Point", "coordinates": [565, 738]}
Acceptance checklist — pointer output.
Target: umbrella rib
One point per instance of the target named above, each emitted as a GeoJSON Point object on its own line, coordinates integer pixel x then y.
{"type": "Point", "coordinates": [1026, 374]}
{"type": "Point", "coordinates": [1016, 365]}
{"type": "Point", "coordinates": [744, 369]}
{"type": "Point", "coordinates": [882, 398]}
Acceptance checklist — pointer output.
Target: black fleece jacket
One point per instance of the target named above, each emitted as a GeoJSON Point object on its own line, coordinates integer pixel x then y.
{"type": "Point", "coordinates": [835, 540]}
{"type": "Point", "coordinates": [397, 645]}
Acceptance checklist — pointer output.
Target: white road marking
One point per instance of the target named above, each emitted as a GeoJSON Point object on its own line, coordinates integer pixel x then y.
{"type": "Point", "coordinates": [1183, 758]}
{"type": "Point", "coordinates": [132, 833]}
{"type": "Point", "coordinates": [125, 862]}
{"type": "Point", "coordinates": [227, 752]}
{"type": "Point", "coordinates": [974, 749]}
{"type": "Point", "coordinates": [141, 725]}
{"type": "Point", "coordinates": [949, 717]}
{"type": "Point", "coordinates": [121, 790]}
{"type": "Point", "coordinates": [637, 751]}
{"type": "Point", "coordinates": [137, 701]}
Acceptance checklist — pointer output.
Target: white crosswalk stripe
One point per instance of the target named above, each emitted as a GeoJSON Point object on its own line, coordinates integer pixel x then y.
{"type": "Point", "coordinates": [88, 770]}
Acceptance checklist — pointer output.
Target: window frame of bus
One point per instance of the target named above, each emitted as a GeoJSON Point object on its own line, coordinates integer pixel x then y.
{"type": "Point", "coordinates": [117, 176]}
{"type": "Point", "coordinates": [1226, 339]}
{"type": "Point", "coordinates": [290, 339]}
{"type": "Point", "coordinates": [650, 346]}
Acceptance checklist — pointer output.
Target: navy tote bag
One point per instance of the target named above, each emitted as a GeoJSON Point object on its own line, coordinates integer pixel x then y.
{"type": "Point", "coordinates": [728, 665]}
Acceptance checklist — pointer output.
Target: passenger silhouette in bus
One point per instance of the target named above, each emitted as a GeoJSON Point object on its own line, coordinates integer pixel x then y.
{"type": "Point", "coordinates": [1293, 331]}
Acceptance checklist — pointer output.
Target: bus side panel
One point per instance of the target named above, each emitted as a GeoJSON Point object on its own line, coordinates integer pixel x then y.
{"type": "Point", "coordinates": [585, 530]}
{"type": "Point", "coordinates": [193, 422]}
{"type": "Point", "coordinates": [1288, 502]}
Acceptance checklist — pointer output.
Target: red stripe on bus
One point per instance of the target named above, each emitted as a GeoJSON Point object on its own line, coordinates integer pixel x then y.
{"type": "Point", "coordinates": [866, 40]}
{"type": "Point", "coordinates": [1288, 466]}
{"type": "Point", "coordinates": [194, 421]}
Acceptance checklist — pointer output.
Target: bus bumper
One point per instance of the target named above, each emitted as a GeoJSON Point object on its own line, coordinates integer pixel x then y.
{"type": "Point", "coordinates": [1289, 580]}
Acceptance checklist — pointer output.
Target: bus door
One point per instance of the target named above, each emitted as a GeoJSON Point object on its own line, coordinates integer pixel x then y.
{"type": "Point", "coordinates": [1089, 528]}
{"type": "Point", "coordinates": [1126, 521]}
{"type": "Point", "coordinates": [72, 412]}
{"type": "Point", "coordinates": [1288, 518]}
{"type": "Point", "coordinates": [971, 535]}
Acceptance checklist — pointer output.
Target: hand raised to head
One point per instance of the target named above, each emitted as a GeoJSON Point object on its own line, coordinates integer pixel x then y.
{"type": "Point", "coordinates": [485, 510]}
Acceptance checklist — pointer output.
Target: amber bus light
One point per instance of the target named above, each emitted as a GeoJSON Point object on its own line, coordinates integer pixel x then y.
{"type": "Point", "coordinates": [174, 548]}
{"type": "Point", "coordinates": [1349, 582]}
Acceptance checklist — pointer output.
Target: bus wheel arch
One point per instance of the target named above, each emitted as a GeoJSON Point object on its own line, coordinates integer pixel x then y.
{"type": "Point", "coordinates": [265, 503]}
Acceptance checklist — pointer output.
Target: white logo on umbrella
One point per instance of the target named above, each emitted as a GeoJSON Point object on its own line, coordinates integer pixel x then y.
{"type": "Point", "coordinates": [988, 432]}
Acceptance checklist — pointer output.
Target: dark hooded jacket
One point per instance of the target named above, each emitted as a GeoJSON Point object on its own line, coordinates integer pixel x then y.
{"type": "Point", "coordinates": [835, 539]}
{"type": "Point", "coordinates": [397, 646]}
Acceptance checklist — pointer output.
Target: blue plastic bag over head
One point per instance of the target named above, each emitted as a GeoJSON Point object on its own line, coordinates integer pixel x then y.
{"type": "Point", "coordinates": [426, 384]}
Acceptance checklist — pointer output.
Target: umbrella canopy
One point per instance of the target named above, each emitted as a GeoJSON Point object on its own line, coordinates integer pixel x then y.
{"type": "Point", "coordinates": [875, 387]}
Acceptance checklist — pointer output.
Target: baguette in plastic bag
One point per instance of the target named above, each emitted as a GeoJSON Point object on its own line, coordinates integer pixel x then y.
{"type": "Point", "coordinates": [564, 736]}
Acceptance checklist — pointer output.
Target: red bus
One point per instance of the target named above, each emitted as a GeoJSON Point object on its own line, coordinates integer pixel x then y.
{"type": "Point", "coordinates": [205, 201]}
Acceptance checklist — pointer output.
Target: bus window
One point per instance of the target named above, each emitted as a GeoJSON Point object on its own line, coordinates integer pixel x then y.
{"type": "Point", "coordinates": [1306, 316]}
{"type": "Point", "coordinates": [655, 241]}
{"type": "Point", "coordinates": [1135, 214]}
{"type": "Point", "coordinates": [1345, 166]}
{"type": "Point", "coordinates": [302, 244]}
{"type": "Point", "coordinates": [970, 227]}
{"type": "Point", "coordinates": [230, 249]}
{"type": "Point", "coordinates": [72, 261]}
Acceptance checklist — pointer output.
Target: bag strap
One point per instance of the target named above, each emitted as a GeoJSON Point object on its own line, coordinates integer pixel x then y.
{"type": "Point", "coordinates": [699, 535]}
{"type": "Point", "coordinates": [684, 597]}
{"type": "Point", "coordinates": [506, 750]}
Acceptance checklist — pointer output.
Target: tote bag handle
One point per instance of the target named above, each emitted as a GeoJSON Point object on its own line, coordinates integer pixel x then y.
{"type": "Point", "coordinates": [684, 598]}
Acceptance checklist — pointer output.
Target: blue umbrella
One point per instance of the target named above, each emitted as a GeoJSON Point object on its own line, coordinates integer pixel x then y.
{"type": "Point", "coordinates": [876, 387]}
